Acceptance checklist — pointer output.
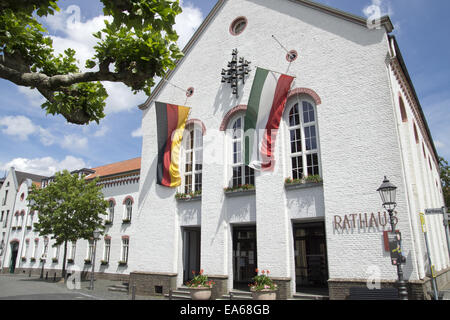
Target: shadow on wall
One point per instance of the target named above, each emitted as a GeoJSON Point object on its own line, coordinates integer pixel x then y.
{"type": "Point", "coordinates": [312, 16]}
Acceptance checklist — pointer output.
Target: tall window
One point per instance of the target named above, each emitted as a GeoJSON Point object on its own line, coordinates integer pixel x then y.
{"type": "Point", "coordinates": [36, 244]}
{"type": "Point", "coordinates": [304, 150]}
{"type": "Point", "coordinates": [125, 243]}
{"type": "Point", "coordinates": [5, 198]}
{"type": "Point", "coordinates": [56, 252]}
{"type": "Point", "coordinates": [193, 159]}
{"type": "Point", "coordinates": [111, 211]}
{"type": "Point", "coordinates": [241, 174]}
{"type": "Point", "coordinates": [30, 219]}
{"type": "Point", "coordinates": [1, 218]}
{"type": "Point", "coordinates": [107, 250]}
{"type": "Point", "coordinates": [90, 252]}
{"type": "Point", "coordinates": [73, 250]}
{"type": "Point", "coordinates": [128, 209]}
{"type": "Point", "coordinates": [5, 223]}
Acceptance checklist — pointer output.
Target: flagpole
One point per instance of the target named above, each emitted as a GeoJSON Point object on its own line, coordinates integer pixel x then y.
{"type": "Point", "coordinates": [277, 72]}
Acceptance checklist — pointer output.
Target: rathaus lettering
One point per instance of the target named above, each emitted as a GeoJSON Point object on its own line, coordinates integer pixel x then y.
{"type": "Point", "coordinates": [362, 220]}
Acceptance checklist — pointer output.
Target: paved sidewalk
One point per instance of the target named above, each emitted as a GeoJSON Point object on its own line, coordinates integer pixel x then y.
{"type": "Point", "coordinates": [21, 287]}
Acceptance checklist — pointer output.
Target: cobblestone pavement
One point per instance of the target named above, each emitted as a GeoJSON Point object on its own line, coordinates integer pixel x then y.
{"type": "Point", "coordinates": [21, 287]}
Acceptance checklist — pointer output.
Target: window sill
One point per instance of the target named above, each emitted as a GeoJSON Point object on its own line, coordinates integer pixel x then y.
{"type": "Point", "coordinates": [122, 263]}
{"type": "Point", "coordinates": [69, 261]}
{"type": "Point", "coordinates": [54, 260]}
{"type": "Point", "coordinates": [23, 259]}
{"type": "Point", "coordinates": [108, 223]}
{"type": "Point", "coordinates": [104, 263]}
{"type": "Point", "coordinates": [87, 261]}
{"type": "Point", "coordinates": [28, 228]}
{"type": "Point", "coordinates": [126, 221]}
{"type": "Point", "coordinates": [239, 193]}
{"type": "Point", "coordinates": [295, 186]}
{"type": "Point", "coordinates": [189, 198]}
{"type": "Point", "coordinates": [32, 259]}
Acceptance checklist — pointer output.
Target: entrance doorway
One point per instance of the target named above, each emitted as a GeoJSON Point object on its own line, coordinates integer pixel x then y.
{"type": "Point", "coordinates": [244, 256]}
{"type": "Point", "coordinates": [14, 251]}
{"type": "Point", "coordinates": [311, 267]}
{"type": "Point", "coordinates": [191, 253]}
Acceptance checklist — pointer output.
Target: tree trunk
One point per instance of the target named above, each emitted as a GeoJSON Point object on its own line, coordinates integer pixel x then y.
{"type": "Point", "coordinates": [64, 261]}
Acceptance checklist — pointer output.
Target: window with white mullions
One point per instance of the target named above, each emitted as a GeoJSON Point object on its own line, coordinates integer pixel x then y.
{"type": "Point", "coordinates": [193, 159]}
{"type": "Point", "coordinates": [111, 211]}
{"type": "Point", "coordinates": [107, 250]}
{"type": "Point", "coordinates": [241, 174]}
{"type": "Point", "coordinates": [304, 149]}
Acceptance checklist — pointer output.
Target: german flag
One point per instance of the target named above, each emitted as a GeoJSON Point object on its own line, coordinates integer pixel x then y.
{"type": "Point", "coordinates": [170, 122]}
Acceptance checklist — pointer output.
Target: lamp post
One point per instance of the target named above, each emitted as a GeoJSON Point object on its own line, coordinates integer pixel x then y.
{"type": "Point", "coordinates": [96, 237]}
{"type": "Point", "coordinates": [388, 192]}
{"type": "Point", "coordinates": [44, 255]}
{"type": "Point", "coordinates": [2, 246]}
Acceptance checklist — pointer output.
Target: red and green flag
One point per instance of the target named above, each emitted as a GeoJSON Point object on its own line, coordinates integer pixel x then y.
{"type": "Point", "coordinates": [264, 110]}
{"type": "Point", "coordinates": [170, 120]}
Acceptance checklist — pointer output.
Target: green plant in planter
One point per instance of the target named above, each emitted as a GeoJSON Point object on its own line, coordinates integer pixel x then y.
{"type": "Point", "coordinates": [69, 260]}
{"type": "Point", "coordinates": [126, 221]}
{"type": "Point", "coordinates": [122, 263]}
{"type": "Point", "coordinates": [314, 179]}
{"type": "Point", "coordinates": [103, 262]}
{"type": "Point", "coordinates": [55, 260]}
{"type": "Point", "coordinates": [189, 195]}
{"type": "Point", "coordinates": [24, 259]}
{"type": "Point", "coordinates": [33, 259]}
{"type": "Point", "coordinates": [243, 187]}
{"type": "Point", "coordinates": [200, 281]}
{"type": "Point", "coordinates": [87, 261]}
{"type": "Point", "coordinates": [108, 222]}
{"type": "Point", "coordinates": [262, 282]}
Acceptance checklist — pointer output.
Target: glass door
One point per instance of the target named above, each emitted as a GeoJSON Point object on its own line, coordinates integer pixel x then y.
{"type": "Point", "coordinates": [191, 253]}
{"type": "Point", "coordinates": [244, 256]}
{"type": "Point", "coordinates": [311, 268]}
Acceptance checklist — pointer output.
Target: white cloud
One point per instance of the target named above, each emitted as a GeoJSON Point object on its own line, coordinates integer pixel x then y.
{"type": "Point", "coordinates": [18, 126]}
{"type": "Point", "coordinates": [439, 145]}
{"type": "Point", "coordinates": [73, 141]}
{"type": "Point", "coordinates": [46, 166]}
{"type": "Point", "coordinates": [187, 22]}
{"type": "Point", "coordinates": [101, 132]}
{"type": "Point", "coordinates": [137, 133]}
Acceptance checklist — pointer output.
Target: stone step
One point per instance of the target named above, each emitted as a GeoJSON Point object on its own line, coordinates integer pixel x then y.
{"type": "Point", "coordinates": [308, 296]}
{"type": "Point", "coordinates": [118, 289]}
{"type": "Point", "coordinates": [180, 294]}
{"type": "Point", "coordinates": [237, 295]}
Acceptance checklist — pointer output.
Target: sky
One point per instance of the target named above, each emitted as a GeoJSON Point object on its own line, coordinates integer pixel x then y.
{"type": "Point", "coordinates": [34, 142]}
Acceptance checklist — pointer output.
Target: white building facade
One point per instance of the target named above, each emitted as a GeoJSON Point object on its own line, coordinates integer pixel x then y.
{"type": "Point", "coordinates": [342, 122]}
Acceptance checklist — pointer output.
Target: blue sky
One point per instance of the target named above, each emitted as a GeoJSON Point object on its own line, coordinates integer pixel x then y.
{"type": "Point", "coordinates": [34, 142]}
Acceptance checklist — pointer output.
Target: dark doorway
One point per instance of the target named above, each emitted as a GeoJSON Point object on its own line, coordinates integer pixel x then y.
{"type": "Point", "coordinates": [191, 253]}
{"type": "Point", "coordinates": [311, 268]}
{"type": "Point", "coordinates": [14, 251]}
{"type": "Point", "coordinates": [244, 256]}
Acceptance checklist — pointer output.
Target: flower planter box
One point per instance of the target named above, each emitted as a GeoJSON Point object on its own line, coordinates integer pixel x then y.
{"type": "Point", "coordinates": [13, 228]}
{"type": "Point", "coordinates": [69, 260]}
{"type": "Point", "coordinates": [32, 259]}
{"type": "Point", "coordinates": [264, 295]}
{"type": "Point", "coordinates": [124, 221]}
{"type": "Point", "coordinates": [244, 190]}
{"type": "Point", "coordinates": [23, 259]}
{"type": "Point", "coordinates": [122, 263]}
{"type": "Point", "coordinates": [295, 186]}
{"type": "Point", "coordinates": [189, 198]}
{"type": "Point", "coordinates": [108, 222]}
{"type": "Point", "coordinates": [200, 293]}
{"type": "Point", "coordinates": [87, 261]}
{"type": "Point", "coordinates": [28, 227]}
{"type": "Point", "coordinates": [55, 260]}
{"type": "Point", "coordinates": [104, 263]}
{"type": "Point", "coordinates": [19, 228]}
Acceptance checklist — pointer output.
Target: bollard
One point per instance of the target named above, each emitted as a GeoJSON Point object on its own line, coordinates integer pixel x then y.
{"type": "Point", "coordinates": [46, 275]}
{"type": "Point", "coordinates": [133, 292]}
{"type": "Point", "coordinates": [29, 274]}
{"type": "Point", "coordinates": [231, 295]}
{"type": "Point", "coordinates": [54, 277]}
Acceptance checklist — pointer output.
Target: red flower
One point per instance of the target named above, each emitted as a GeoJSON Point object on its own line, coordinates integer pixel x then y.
{"type": "Point", "coordinates": [193, 272]}
{"type": "Point", "coordinates": [268, 271]}
{"type": "Point", "coordinates": [262, 272]}
{"type": "Point", "coordinates": [256, 270]}
{"type": "Point", "coordinates": [201, 271]}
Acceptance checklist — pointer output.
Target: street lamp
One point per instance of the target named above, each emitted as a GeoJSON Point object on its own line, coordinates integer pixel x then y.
{"type": "Point", "coordinates": [44, 255]}
{"type": "Point", "coordinates": [388, 192]}
{"type": "Point", "coordinates": [96, 237]}
{"type": "Point", "coordinates": [2, 246]}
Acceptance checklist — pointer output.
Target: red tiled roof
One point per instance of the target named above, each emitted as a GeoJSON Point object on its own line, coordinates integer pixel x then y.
{"type": "Point", "coordinates": [116, 168]}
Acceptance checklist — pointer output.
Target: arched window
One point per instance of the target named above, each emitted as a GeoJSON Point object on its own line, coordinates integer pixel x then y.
{"type": "Point", "coordinates": [416, 135]}
{"type": "Point", "coordinates": [111, 206]}
{"type": "Point", "coordinates": [128, 209]}
{"type": "Point", "coordinates": [240, 173]}
{"type": "Point", "coordinates": [192, 159]}
{"type": "Point", "coordinates": [301, 122]}
{"type": "Point", "coordinates": [403, 110]}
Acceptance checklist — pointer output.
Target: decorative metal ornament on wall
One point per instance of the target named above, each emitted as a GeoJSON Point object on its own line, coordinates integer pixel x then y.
{"type": "Point", "coordinates": [236, 71]}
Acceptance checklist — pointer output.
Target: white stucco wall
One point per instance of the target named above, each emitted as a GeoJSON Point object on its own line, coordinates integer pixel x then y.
{"type": "Point", "coordinates": [345, 64]}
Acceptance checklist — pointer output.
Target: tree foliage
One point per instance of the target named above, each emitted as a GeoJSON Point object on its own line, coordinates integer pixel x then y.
{"type": "Point", "coordinates": [445, 180]}
{"type": "Point", "coordinates": [138, 45]}
{"type": "Point", "coordinates": [69, 208]}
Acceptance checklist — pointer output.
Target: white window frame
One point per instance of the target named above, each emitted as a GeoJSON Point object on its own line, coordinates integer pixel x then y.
{"type": "Point", "coordinates": [111, 208]}
{"type": "Point", "coordinates": [125, 250]}
{"type": "Point", "coordinates": [298, 100]}
{"type": "Point", "coordinates": [128, 213]}
{"type": "Point", "coordinates": [36, 245]}
{"type": "Point", "coordinates": [107, 250]}
{"type": "Point", "coordinates": [245, 178]}
{"type": "Point", "coordinates": [56, 252]}
{"type": "Point", "coordinates": [73, 250]}
{"type": "Point", "coordinates": [197, 147]}
{"type": "Point", "coordinates": [90, 250]}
